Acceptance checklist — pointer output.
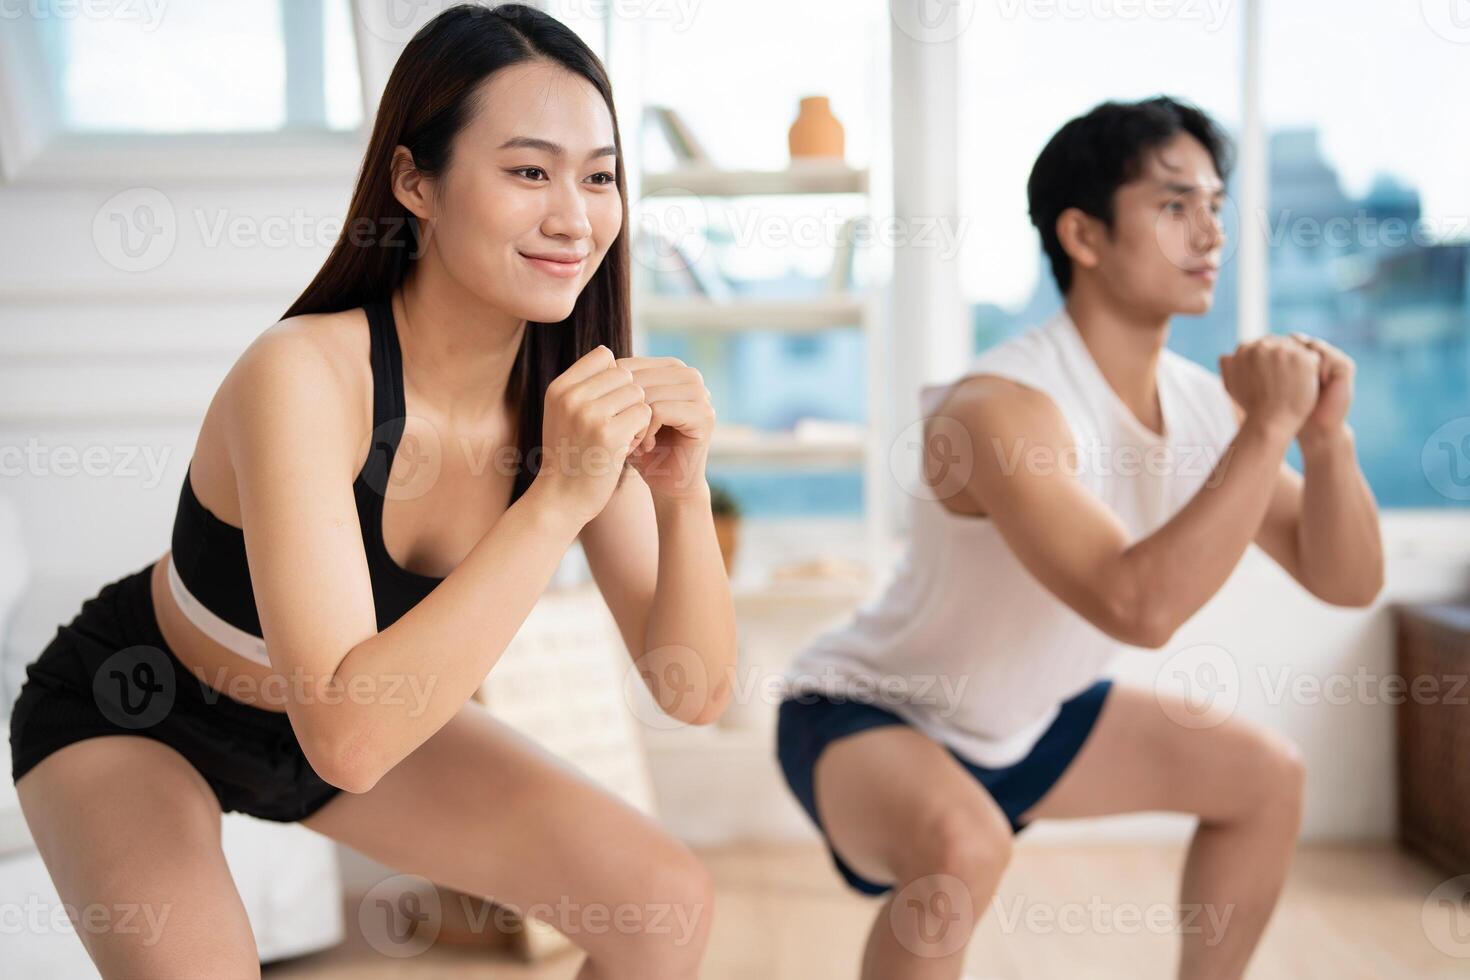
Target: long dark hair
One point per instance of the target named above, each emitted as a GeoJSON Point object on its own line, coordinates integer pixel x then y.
{"type": "Point", "coordinates": [429, 98]}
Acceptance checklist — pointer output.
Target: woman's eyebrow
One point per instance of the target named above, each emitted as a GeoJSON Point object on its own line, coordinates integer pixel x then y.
{"type": "Point", "coordinates": [555, 149]}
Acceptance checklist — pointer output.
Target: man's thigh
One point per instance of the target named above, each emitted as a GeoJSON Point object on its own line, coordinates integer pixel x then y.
{"type": "Point", "coordinates": [1147, 751]}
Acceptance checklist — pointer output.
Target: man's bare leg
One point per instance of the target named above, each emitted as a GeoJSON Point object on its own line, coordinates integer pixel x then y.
{"type": "Point", "coordinates": [1245, 784]}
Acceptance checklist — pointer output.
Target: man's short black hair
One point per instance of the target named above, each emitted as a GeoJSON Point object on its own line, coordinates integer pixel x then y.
{"type": "Point", "coordinates": [1093, 155]}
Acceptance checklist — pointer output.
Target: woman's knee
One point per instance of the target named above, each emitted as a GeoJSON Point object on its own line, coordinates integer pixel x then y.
{"type": "Point", "coordinates": [663, 924]}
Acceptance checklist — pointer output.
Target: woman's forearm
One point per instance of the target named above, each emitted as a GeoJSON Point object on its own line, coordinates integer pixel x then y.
{"type": "Point", "coordinates": [688, 661]}
{"type": "Point", "coordinates": [415, 675]}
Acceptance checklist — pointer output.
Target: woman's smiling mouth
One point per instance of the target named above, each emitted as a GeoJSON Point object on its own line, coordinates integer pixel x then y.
{"type": "Point", "coordinates": [564, 266]}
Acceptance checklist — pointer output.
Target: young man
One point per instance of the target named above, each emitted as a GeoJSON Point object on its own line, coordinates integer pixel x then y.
{"type": "Point", "coordinates": [1066, 512]}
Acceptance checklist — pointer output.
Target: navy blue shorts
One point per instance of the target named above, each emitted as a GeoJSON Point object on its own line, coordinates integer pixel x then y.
{"type": "Point", "coordinates": [109, 672]}
{"type": "Point", "coordinates": [808, 724]}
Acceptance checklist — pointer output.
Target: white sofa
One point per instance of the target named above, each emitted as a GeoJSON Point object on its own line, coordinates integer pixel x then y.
{"type": "Point", "coordinates": [287, 875]}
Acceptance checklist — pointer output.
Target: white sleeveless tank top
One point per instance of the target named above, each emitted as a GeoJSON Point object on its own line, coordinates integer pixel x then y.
{"type": "Point", "coordinates": [964, 643]}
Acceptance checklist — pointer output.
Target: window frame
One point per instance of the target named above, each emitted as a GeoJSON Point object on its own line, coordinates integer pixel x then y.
{"type": "Point", "coordinates": [1418, 531]}
{"type": "Point", "coordinates": [37, 151]}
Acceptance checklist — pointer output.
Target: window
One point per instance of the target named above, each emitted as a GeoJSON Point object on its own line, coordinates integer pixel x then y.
{"type": "Point", "coordinates": [213, 66]}
{"type": "Point", "coordinates": [1026, 68]}
{"type": "Point", "coordinates": [1369, 241]}
{"type": "Point", "coordinates": [1366, 216]}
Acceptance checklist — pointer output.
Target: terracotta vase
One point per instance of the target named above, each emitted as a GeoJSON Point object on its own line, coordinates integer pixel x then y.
{"type": "Point", "coordinates": [816, 132]}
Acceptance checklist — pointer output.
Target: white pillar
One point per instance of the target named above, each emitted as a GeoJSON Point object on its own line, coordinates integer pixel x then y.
{"type": "Point", "coordinates": [1253, 296]}
{"type": "Point", "coordinates": [928, 327]}
{"type": "Point", "coordinates": [929, 319]}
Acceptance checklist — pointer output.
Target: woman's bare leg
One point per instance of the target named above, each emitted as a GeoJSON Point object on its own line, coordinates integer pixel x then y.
{"type": "Point", "coordinates": [899, 808]}
{"type": "Point", "coordinates": [130, 833]}
{"type": "Point", "coordinates": [484, 810]}
{"type": "Point", "coordinates": [1243, 782]}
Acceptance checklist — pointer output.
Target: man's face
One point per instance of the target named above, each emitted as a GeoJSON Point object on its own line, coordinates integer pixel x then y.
{"type": "Point", "coordinates": [1166, 244]}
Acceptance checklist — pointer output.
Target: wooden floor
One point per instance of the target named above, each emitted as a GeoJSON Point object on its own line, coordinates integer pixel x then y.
{"type": "Point", "coordinates": [1348, 912]}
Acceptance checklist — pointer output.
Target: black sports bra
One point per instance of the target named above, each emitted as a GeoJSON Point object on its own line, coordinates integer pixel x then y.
{"type": "Point", "coordinates": [209, 554]}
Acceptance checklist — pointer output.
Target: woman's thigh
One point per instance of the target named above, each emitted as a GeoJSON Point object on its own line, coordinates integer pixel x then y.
{"type": "Point", "coordinates": [1147, 751]}
{"type": "Point", "coordinates": [130, 834]}
{"type": "Point", "coordinates": [482, 809]}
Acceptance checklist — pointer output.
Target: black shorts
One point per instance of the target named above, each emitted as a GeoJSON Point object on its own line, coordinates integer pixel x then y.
{"type": "Point", "coordinates": [109, 672]}
{"type": "Point", "coordinates": [807, 724]}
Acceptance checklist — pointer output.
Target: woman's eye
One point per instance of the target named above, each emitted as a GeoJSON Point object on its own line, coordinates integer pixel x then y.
{"type": "Point", "coordinates": [603, 178]}
{"type": "Point", "coordinates": [529, 170]}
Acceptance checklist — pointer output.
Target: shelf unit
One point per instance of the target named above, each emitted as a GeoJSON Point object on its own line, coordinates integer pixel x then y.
{"type": "Point", "coordinates": [855, 310]}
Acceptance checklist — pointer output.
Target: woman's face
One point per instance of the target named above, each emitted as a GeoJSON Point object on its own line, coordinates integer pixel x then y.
{"type": "Point", "coordinates": [529, 203]}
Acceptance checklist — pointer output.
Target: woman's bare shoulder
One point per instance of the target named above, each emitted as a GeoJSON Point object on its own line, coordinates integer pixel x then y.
{"type": "Point", "coordinates": [315, 368]}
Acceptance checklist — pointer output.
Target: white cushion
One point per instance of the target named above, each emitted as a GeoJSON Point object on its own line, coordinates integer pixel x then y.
{"type": "Point", "coordinates": [44, 606]}
{"type": "Point", "coordinates": [15, 576]}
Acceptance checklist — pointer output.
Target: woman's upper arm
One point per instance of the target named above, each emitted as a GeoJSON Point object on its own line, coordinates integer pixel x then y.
{"type": "Point", "coordinates": [621, 545]}
{"type": "Point", "coordinates": [292, 439]}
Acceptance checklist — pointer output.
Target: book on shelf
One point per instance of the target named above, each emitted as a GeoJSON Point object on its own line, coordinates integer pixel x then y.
{"type": "Point", "coordinates": [683, 268]}
{"type": "Point", "coordinates": [680, 138]}
{"type": "Point", "coordinates": [840, 278]}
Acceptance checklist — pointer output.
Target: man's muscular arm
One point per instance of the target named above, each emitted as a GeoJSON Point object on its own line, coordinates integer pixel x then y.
{"type": "Point", "coordinates": [1139, 592]}
{"type": "Point", "coordinates": [1323, 530]}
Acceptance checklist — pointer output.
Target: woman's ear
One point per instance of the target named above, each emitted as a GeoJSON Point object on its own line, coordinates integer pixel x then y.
{"type": "Point", "coordinates": [411, 188]}
{"type": "Point", "coordinates": [1078, 233]}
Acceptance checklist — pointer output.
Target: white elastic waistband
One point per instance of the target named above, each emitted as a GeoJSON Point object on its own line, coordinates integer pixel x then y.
{"type": "Point", "coordinates": [227, 635]}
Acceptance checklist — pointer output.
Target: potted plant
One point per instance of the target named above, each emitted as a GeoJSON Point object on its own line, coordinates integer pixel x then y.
{"type": "Point", "coordinates": [727, 522]}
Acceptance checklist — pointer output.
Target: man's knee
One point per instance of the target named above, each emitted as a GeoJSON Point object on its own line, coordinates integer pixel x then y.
{"type": "Point", "coordinates": [1278, 775]}
{"type": "Point", "coordinates": [971, 844]}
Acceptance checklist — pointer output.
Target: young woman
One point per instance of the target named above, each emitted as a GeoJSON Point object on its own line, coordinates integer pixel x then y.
{"type": "Point", "coordinates": [1086, 488]}
{"type": "Point", "coordinates": [383, 485]}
